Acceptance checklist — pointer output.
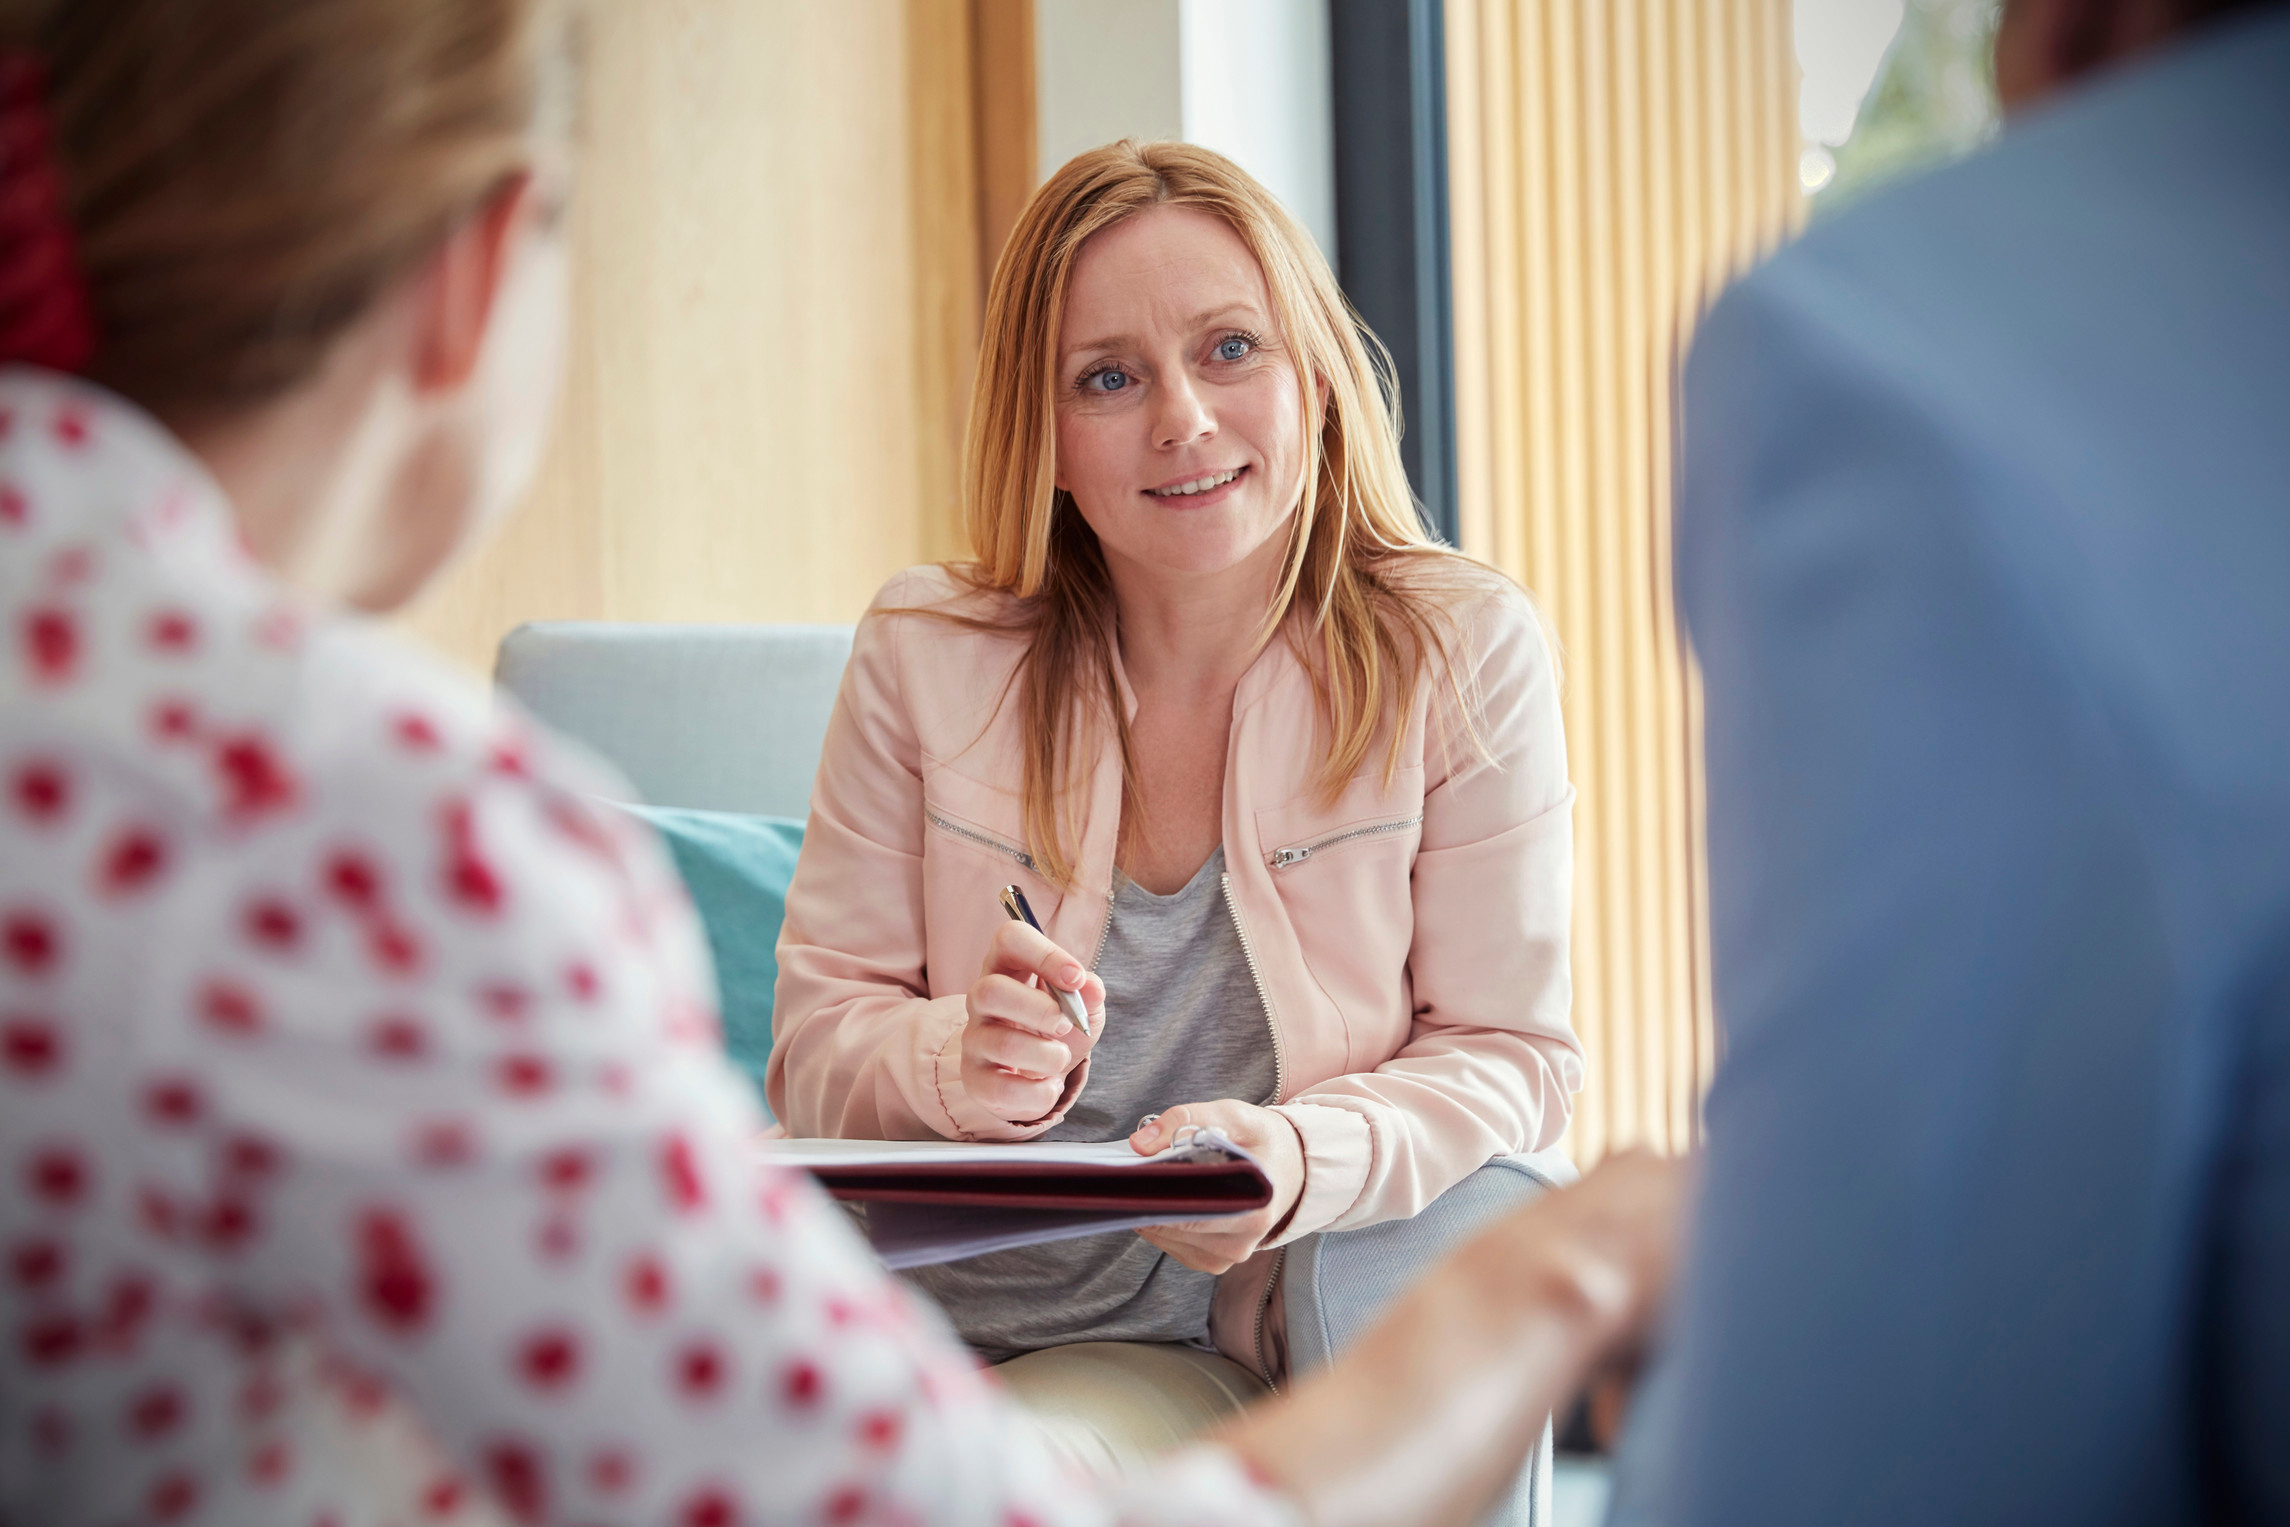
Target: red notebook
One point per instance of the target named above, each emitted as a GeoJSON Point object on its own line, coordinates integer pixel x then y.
{"type": "Point", "coordinates": [941, 1200]}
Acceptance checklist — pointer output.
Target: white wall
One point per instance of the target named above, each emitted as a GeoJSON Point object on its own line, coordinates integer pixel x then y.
{"type": "Point", "coordinates": [1107, 69]}
{"type": "Point", "coordinates": [1248, 78]}
{"type": "Point", "coordinates": [1257, 89]}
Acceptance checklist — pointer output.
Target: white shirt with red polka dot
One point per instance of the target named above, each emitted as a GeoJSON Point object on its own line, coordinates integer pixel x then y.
{"type": "Point", "coordinates": [368, 1156]}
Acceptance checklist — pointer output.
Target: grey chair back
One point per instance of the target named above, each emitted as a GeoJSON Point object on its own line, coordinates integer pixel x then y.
{"type": "Point", "coordinates": [721, 718]}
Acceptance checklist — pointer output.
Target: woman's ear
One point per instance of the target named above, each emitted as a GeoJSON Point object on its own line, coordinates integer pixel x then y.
{"type": "Point", "coordinates": [456, 293]}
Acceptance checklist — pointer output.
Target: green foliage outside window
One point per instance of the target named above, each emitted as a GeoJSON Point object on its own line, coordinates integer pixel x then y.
{"type": "Point", "coordinates": [1934, 99]}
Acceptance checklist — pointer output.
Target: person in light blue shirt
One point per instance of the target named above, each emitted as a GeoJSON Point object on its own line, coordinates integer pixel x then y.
{"type": "Point", "coordinates": [1984, 544]}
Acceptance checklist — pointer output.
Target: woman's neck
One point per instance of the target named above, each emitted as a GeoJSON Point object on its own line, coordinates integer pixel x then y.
{"type": "Point", "coordinates": [1194, 633]}
{"type": "Point", "coordinates": [310, 474]}
{"type": "Point", "coordinates": [277, 465]}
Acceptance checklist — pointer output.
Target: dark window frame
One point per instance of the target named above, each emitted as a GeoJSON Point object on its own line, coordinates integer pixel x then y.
{"type": "Point", "coordinates": [1388, 58]}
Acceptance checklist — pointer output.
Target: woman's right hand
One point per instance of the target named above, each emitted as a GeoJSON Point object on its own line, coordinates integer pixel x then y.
{"type": "Point", "coordinates": [1018, 1047]}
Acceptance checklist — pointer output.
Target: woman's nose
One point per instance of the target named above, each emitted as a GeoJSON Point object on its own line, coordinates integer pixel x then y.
{"type": "Point", "coordinates": [1183, 416]}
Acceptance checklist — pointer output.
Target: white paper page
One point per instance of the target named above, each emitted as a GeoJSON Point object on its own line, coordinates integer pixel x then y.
{"type": "Point", "coordinates": [917, 1235]}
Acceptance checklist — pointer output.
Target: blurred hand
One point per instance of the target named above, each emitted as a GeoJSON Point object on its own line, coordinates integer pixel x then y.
{"type": "Point", "coordinates": [1601, 1253]}
{"type": "Point", "coordinates": [1646, 1199]}
{"type": "Point", "coordinates": [1212, 1246]}
{"type": "Point", "coordinates": [1018, 1048]}
{"type": "Point", "coordinates": [1427, 1418]}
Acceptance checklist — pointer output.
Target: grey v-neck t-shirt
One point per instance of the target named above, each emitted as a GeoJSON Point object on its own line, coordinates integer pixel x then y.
{"type": "Point", "coordinates": [1184, 1023]}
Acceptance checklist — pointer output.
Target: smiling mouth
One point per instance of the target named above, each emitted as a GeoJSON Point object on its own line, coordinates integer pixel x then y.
{"type": "Point", "coordinates": [1197, 485]}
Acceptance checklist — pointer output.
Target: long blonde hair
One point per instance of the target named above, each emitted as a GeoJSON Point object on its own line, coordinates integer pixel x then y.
{"type": "Point", "coordinates": [1365, 635]}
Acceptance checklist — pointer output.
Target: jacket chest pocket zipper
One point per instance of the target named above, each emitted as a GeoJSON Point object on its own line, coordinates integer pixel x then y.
{"type": "Point", "coordinates": [984, 840]}
{"type": "Point", "coordinates": [1281, 858]}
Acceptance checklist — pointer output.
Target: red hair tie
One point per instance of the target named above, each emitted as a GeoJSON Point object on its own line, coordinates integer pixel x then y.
{"type": "Point", "coordinates": [45, 316]}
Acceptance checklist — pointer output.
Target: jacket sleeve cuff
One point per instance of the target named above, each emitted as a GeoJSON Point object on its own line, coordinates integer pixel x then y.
{"type": "Point", "coordinates": [1338, 1149]}
{"type": "Point", "coordinates": [956, 1116]}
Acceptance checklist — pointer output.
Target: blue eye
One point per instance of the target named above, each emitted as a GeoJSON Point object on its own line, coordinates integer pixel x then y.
{"type": "Point", "coordinates": [1234, 348]}
{"type": "Point", "coordinates": [1111, 379]}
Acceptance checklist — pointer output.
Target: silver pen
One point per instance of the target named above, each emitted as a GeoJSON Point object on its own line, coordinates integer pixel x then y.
{"type": "Point", "coordinates": [1014, 903]}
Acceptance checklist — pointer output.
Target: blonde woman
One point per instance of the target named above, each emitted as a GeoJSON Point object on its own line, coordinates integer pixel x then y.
{"type": "Point", "coordinates": [1284, 780]}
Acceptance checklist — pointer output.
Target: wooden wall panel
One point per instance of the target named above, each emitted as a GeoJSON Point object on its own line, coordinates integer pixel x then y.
{"type": "Point", "coordinates": [1009, 149]}
{"type": "Point", "coordinates": [1611, 167]}
{"type": "Point", "coordinates": [775, 317]}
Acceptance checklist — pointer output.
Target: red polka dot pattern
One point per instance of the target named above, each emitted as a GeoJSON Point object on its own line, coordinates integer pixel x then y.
{"type": "Point", "coordinates": [611, 1471]}
{"type": "Point", "coordinates": [394, 1276]}
{"type": "Point", "coordinates": [359, 1088]}
{"type": "Point", "coordinates": [172, 631]}
{"type": "Point", "coordinates": [443, 1497]}
{"type": "Point", "coordinates": [154, 1413]}
{"type": "Point", "coordinates": [30, 942]}
{"type": "Point", "coordinates": [267, 1466]}
{"type": "Point", "coordinates": [647, 1285]}
{"type": "Point", "coordinates": [549, 1360]}
{"type": "Point", "coordinates": [230, 1009]}
{"type": "Point", "coordinates": [173, 1498]}
{"type": "Point", "coordinates": [173, 1102]}
{"type": "Point", "coordinates": [255, 781]}
{"type": "Point", "coordinates": [524, 1075]}
{"type": "Point", "coordinates": [802, 1386]}
{"type": "Point", "coordinates": [51, 637]}
{"type": "Point", "coordinates": [272, 924]}
{"type": "Point", "coordinates": [32, 1049]}
{"type": "Point", "coordinates": [35, 1266]}
{"type": "Point", "coordinates": [173, 720]}
{"type": "Point", "coordinates": [710, 1508]}
{"type": "Point", "coordinates": [56, 1175]}
{"type": "Point", "coordinates": [398, 1037]}
{"type": "Point", "coordinates": [515, 1470]}
{"type": "Point", "coordinates": [135, 859]}
{"type": "Point", "coordinates": [42, 792]}
{"type": "Point", "coordinates": [701, 1371]}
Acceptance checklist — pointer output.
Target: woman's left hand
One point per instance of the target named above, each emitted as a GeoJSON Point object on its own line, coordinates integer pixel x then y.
{"type": "Point", "coordinates": [1212, 1246]}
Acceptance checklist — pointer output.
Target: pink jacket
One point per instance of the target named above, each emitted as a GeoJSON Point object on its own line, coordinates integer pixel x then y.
{"type": "Point", "coordinates": [1410, 941]}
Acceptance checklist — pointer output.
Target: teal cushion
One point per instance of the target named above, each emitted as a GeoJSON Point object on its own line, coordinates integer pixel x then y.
{"type": "Point", "coordinates": [736, 868]}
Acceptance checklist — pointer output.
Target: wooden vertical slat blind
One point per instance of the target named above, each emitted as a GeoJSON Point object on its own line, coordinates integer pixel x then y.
{"type": "Point", "coordinates": [1612, 165]}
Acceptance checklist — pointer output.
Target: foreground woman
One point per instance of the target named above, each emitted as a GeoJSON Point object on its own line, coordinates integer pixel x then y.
{"type": "Point", "coordinates": [1286, 779]}
{"type": "Point", "coordinates": [367, 1158]}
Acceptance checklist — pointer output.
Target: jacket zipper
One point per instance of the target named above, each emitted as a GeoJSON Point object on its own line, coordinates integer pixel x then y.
{"type": "Point", "coordinates": [983, 840]}
{"type": "Point", "coordinates": [1263, 997]}
{"type": "Point", "coordinates": [1281, 858]}
{"type": "Point", "coordinates": [1264, 1304]}
{"type": "Point", "coordinates": [1103, 929]}
{"type": "Point", "coordinates": [1279, 1090]}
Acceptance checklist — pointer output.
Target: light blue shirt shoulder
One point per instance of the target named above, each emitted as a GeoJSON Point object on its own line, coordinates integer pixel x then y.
{"type": "Point", "coordinates": [1985, 547]}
